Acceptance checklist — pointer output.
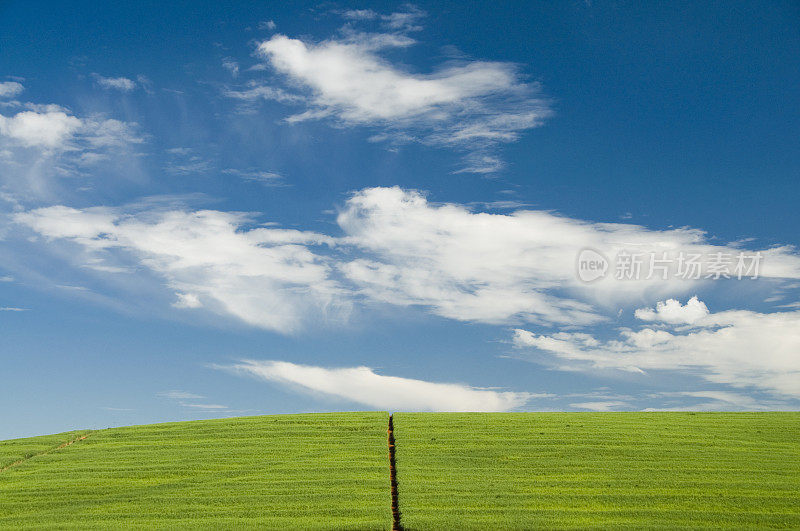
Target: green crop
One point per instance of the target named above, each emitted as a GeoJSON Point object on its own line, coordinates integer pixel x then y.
{"type": "Point", "coordinates": [453, 471]}
{"type": "Point", "coordinates": [598, 470]}
{"type": "Point", "coordinates": [325, 471]}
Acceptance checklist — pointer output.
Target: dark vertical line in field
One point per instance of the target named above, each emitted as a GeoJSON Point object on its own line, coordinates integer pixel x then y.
{"type": "Point", "coordinates": [45, 452]}
{"type": "Point", "coordinates": [396, 525]}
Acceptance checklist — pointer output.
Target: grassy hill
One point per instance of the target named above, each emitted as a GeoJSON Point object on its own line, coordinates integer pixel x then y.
{"type": "Point", "coordinates": [453, 471]}
{"type": "Point", "coordinates": [16, 451]}
{"type": "Point", "coordinates": [589, 470]}
{"type": "Point", "coordinates": [282, 471]}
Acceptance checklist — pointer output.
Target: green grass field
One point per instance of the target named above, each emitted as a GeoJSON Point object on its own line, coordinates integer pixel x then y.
{"type": "Point", "coordinates": [19, 449]}
{"type": "Point", "coordinates": [454, 471]}
{"type": "Point", "coordinates": [590, 470]}
{"type": "Point", "coordinates": [283, 471]}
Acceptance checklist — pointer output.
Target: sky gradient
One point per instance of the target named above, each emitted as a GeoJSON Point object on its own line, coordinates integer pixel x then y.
{"type": "Point", "coordinates": [218, 209]}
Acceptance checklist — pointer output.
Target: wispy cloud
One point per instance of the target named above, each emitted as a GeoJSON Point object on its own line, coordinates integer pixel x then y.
{"type": "Point", "coordinates": [185, 161]}
{"type": "Point", "coordinates": [231, 66]}
{"type": "Point", "coordinates": [605, 399]}
{"type": "Point", "coordinates": [701, 400]}
{"type": "Point", "coordinates": [122, 84]}
{"type": "Point", "coordinates": [601, 405]}
{"type": "Point", "coordinates": [253, 92]}
{"type": "Point", "coordinates": [267, 178]}
{"type": "Point", "coordinates": [179, 395]}
{"type": "Point", "coordinates": [72, 288]}
{"type": "Point", "coordinates": [468, 105]}
{"type": "Point", "coordinates": [267, 277]}
{"type": "Point", "coordinates": [714, 401]}
{"type": "Point", "coordinates": [9, 89]}
{"type": "Point", "coordinates": [362, 385]}
{"type": "Point", "coordinates": [204, 406]}
{"type": "Point", "coordinates": [267, 25]}
{"type": "Point", "coordinates": [406, 20]}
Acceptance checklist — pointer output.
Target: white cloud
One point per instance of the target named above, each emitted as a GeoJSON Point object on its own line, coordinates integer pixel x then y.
{"type": "Point", "coordinates": [46, 143]}
{"type": "Point", "coordinates": [54, 128]}
{"type": "Point", "coordinates": [266, 277]}
{"type": "Point", "coordinates": [396, 248]}
{"type": "Point", "coordinates": [12, 309]}
{"type": "Point", "coordinates": [364, 386]}
{"type": "Point", "coordinates": [267, 25]}
{"type": "Point", "coordinates": [349, 80]}
{"type": "Point", "coordinates": [737, 347]}
{"type": "Point", "coordinates": [122, 84]}
{"type": "Point", "coordinates": [474, 267]}
{"type": "Point", "coordinates": [673, 312]}
{"type": "Point", "coordinates": [65, 222]}
{"type": "Point", "coordinates": [9, 89]}
{"type": "Point", "coordinates": [32, 129]}
{"type": "Point", "coordinates": [470, 105]}
{"type": "Point", "coordinates": [502, 268]}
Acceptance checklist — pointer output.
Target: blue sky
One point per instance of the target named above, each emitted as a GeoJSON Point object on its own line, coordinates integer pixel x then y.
{"type": "Point", "coordinates": [215, 209]}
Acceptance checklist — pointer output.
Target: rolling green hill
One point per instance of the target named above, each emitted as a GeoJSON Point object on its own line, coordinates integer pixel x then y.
{"type": "Point", "coordinates": [282, 471]}
{"type": "Point", "coordinates": [453, 471]}
{"type": "Point", "coordinates": [15, 451]}
{"type": "Point", "coordinates": [589, 470]}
